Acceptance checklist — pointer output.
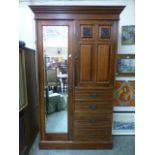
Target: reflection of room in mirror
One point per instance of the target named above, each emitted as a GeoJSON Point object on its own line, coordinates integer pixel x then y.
{"type": "Point", "coordinates": [55, 44]}
{"type": "Point", "coordinates": [57, 122]}
{"type": "Point", "coordinates": [56, 117]}
{"type": "Point", "coordinates": [55, 36]}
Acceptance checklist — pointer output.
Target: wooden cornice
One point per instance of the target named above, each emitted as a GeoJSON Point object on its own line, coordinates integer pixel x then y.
{"type": "Point", "coordinates": [47, 9]}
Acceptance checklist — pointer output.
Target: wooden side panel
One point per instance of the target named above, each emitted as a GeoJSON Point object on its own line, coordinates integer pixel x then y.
{"type": "Point", "coordinates": [85, 63]}
{"type": "Point", "coordinates": [103, 57]}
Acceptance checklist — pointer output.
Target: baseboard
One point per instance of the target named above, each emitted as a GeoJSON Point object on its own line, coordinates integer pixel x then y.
{"type": "Point", "coordinates": [75, 145]}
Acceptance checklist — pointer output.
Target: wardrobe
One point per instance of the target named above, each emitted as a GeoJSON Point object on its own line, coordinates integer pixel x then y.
{"type": "Point", "coordinates": [78, 46]}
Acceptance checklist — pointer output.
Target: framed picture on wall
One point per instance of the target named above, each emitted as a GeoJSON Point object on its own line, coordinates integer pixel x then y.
{"type": "Point", "coordinates": [125, 65]}
{"type": "Point", "coordinates": [124, 94]}
{"type": "Point", "coordinates": [128, 35]}
{"type": "Point", "coordinates": [123, 123]}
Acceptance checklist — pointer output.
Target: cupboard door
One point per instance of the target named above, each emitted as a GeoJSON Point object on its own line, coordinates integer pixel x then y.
{"type": "Point", "coordinates": [95, 55]}
{"type": "Point", "coordinates": [86, 60]}
{"type": "Point", "coordinates": [103, 55]}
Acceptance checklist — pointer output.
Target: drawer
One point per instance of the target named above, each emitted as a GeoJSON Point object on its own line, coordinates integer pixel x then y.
{"type": "Point", "coordinates": [92, 121]}
{"type": "Point", "coordinates": [93, 106]}
{"type": "Point", "coordinates": [92, 135]}
{"type": "Point", "coordinates": [94, 94]}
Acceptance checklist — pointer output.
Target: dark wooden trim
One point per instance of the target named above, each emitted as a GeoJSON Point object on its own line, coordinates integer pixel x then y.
{"type": "Point", "coordinates": [56, 136]}
{"type": "Point", "coordinates": [75, 145]}
{"type": "Point", "coordinates": [41, 80]}
{"type": "Point", "coordinates": [46, 9]}
{"type": "Point", "coordinates": [76, 16]}
{"type": "Point", "coordinates": [114, 50]}
{"type": "Point", "coordinates": [76, 12]}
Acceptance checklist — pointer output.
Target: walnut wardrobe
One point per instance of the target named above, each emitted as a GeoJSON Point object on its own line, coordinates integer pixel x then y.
{"type": "Point", "coordinates": [77, 47]}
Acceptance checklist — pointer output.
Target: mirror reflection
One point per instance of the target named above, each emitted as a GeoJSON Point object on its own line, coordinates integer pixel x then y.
{"type": "Point", "coordinates": [55, 46]}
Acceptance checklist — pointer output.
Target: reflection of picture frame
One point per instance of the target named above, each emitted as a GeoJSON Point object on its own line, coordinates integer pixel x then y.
{"type": "Point", "coordinates": [125, 65]}
{"type": "Point", "coordinates": [22, 82]}
{"type": "Point", "coordinates": [128, 35]}
{"type": "Point", "coordinates": [123, 124]}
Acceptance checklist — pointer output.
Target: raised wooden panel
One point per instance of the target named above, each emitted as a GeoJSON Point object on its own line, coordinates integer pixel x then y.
{"type": "Point", "coordinates": [103, 58]}
{"type": "Point", "coordinates": [86, 31]}
{"type": "Point", "coordinates": [85, 63]}
{"type": "Point", "coordinates": [104, 32]}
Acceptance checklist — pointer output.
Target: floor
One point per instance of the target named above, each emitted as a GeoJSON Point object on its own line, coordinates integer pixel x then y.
{"type": "Point", "coordinates": [122, 145]}
{"type": "Point", "coordinates": [57, 122]}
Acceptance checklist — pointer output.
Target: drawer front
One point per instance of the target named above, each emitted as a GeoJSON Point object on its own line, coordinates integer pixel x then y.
{"type": "Point", "coordinates": [93, 114]}
{"type": "Point", "coordinates": [92, 121]}
{"type": "Point", "coordinates": [93, 95]}
{"type": "Point", "coordinates": [92, 135]}
{"type": "Point", "coordinates": [93, 107]}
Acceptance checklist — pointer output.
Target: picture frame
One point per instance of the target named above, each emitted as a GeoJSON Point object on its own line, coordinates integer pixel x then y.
{"type": "Point", "coordinates": [123, 109]}
{"type": "Point", "coordinates": [125, 65]}
{"type": "Point", "coordinates": [23, 101]}
{"type": "Point", "coordinates": [124, 93]}
{"type": "Point", "coordinates": [128, 35]}
{"type": "Point", "coordinates": [123, 123]}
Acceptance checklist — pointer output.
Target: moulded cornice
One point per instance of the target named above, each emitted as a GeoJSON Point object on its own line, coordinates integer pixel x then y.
{"type": "Point", "coordinates": [46, 9]}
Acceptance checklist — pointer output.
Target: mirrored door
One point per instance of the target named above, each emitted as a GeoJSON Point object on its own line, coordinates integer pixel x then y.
{"type": "Point", "coordinates": [55, 52]}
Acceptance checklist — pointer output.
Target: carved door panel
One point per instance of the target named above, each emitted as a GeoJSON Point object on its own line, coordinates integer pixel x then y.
{"type": "Point", "coordinates": [94, 51]}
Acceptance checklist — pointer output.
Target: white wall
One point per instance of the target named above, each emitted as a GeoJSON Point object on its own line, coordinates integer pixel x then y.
{"type": "Point", "coordinates": [27, 24]}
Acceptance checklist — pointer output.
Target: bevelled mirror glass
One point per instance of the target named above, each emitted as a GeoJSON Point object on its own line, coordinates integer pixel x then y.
{"type": "Point", "coordinates": [55, 47]}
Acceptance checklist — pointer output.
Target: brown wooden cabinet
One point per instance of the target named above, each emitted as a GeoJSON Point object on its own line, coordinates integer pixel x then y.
{"type": "Point", "coordinates": [92, 48]}
{"type": "Point", "coordinates": [28, 107]}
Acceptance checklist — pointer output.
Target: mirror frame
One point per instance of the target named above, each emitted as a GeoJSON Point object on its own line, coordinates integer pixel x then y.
{"type": "Point", "coordinates": [43, 134]}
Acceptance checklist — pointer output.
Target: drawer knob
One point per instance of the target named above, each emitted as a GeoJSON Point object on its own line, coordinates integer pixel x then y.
{"type": "Point", "coordinates": [92, 135]}
{"type": "Point", "coordinates": [93, 106]}
{"type": "Point", "coordinates": [93, 94]}
{"type": "Point", "coordinates": [92, 120]}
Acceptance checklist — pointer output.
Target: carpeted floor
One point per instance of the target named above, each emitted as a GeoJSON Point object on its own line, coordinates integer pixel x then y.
{"type": "Point", "coordinates": [122, 145]}
{"type": "Point", "coordinates": [57, 122]}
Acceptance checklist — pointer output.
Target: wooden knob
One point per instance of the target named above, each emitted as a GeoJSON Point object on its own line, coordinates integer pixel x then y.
{"type": "Point", "coordinates": [92, 120]}
{"type": "Point", "coordinates": [93, 106]}
{"type": "Point", "coordinates": [92, 135]}
{"type": "Point", "coordinates": [93, 95]}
